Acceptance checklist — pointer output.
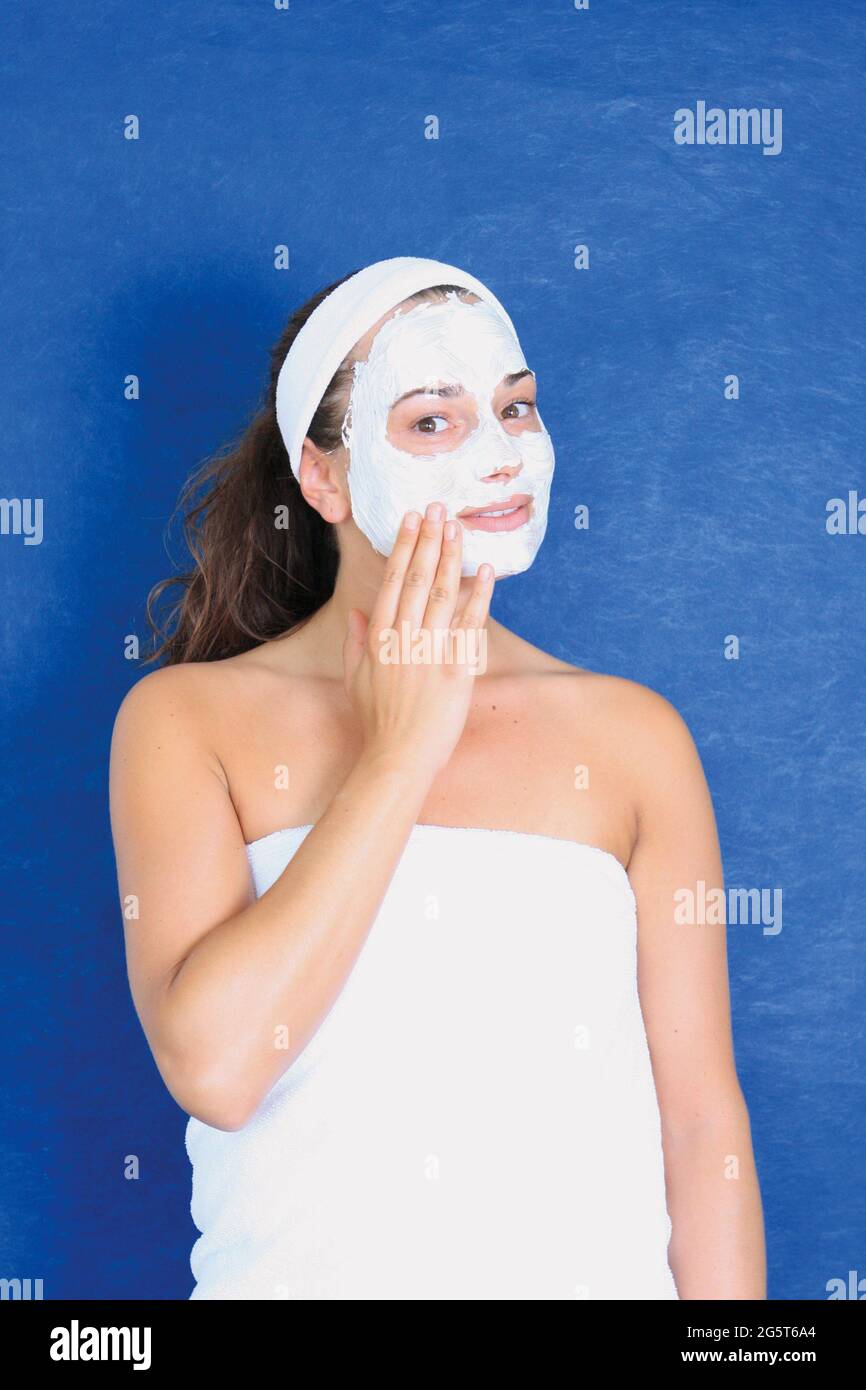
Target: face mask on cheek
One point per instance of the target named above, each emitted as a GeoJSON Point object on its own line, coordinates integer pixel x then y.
{"type": "Point", "coordinates": [440, 344]}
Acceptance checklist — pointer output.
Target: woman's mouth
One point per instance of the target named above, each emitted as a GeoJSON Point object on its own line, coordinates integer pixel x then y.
{"type": "Point", "coordinates": [508, 515]}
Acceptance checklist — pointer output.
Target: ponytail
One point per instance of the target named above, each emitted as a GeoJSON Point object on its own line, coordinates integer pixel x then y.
{"type": "Point", "coordinates": [263, 559]}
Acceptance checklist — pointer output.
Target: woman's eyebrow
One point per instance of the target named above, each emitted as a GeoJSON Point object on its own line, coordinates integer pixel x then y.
{"type": "Point", "coordinates": [453, 390]}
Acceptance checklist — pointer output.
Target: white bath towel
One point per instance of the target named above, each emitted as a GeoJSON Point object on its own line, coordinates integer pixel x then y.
{"type": "Point", "coordinates": [476, 1116]}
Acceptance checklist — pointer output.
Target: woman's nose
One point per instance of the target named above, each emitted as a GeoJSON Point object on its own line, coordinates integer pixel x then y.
{"type": "Point", "coordinates": [504, 470]}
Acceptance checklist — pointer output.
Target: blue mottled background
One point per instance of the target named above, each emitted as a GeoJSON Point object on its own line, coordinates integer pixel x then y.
{"type": "Point", "coordinates": [262, 126]}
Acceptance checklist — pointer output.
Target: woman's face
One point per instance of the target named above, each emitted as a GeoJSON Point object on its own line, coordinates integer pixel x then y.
{"type": "Point", "coordinates": [443, 408]}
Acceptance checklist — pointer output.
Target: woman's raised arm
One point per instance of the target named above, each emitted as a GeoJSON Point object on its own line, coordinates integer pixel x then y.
{"type": "Point", "coordinates": [216, 975]}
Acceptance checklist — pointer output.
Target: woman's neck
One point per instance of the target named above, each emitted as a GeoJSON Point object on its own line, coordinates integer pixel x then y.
{"type": "Point", "coordinates": [319, 641]}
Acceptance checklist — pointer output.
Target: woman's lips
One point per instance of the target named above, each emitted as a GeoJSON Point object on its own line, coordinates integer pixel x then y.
{"type": "Point", "coordinates": [513, 513]}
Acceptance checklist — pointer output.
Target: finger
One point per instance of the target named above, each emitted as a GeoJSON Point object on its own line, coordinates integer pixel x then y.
{"type": "Point", "coordinates": [445, 589]}
{"type": "Point", "coordinates": [385, 607]}
{"type": "Point", "coordinates": [476, 609]}
{"type": "Point", "coordinates": [421, 569]}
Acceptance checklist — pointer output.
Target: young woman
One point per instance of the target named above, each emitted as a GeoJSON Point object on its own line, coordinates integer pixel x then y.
{"type": "Point", "coordinates": [404, 946]}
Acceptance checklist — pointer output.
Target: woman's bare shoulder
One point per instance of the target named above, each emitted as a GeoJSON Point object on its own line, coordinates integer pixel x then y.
{"type": "Point", "coordinates": [204, 682]}
{"type": "Point", "coordinates": [172, 691]}
{"type": "Point", "coordinates": [189, 695]}
{"type": "Point", "coordinates": [642, 728]}
{"type": "Point", "coordinates": [206, 701]}
{"type": "Point", "coordinates": [619, 693]}
{"type": "Point", "coordinates": [625, 708]}
{"type": "Point", "coordinates": [166, 716]}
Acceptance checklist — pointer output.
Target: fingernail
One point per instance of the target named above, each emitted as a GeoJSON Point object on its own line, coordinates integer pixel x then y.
{"type": "Point", "coordinates": [412, 521]}
{"type": "Point", "coordinates": [450, 530]}
{"type": "Point", "coordinates": [434, 511]}
{"type": "Point", "coordinates": [485, 572]}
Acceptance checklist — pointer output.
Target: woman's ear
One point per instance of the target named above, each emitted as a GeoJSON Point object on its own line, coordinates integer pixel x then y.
{"type": "Point", "coordinates": [322, 481]}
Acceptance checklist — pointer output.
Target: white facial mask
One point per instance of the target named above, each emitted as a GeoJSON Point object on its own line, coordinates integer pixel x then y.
{"type": "Point", "coordinates": [438, 344]}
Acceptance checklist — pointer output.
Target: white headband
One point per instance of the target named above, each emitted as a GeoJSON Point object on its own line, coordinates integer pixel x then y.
{"type": "Point", "coordinates": [334, 328]}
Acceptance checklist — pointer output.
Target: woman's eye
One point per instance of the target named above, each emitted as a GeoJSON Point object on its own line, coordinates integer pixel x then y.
{"type": "Point", "coordinates": [428, 419]}
{"type": "Point", "coordinates": [530, 405]}
{"type": "Point", "coordinates": [427, 424]}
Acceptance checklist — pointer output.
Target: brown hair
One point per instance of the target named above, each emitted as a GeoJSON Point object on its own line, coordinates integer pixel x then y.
{"type": "Point", "coordinates": [251, 580]}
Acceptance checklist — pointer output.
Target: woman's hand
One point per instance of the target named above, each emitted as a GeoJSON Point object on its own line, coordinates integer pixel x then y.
{"type": "Point", "coordinates": [416, 709]}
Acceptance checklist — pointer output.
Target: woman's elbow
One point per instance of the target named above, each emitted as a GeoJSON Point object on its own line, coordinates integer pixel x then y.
{"type": "Point", "coordinates": [206, 1096]}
